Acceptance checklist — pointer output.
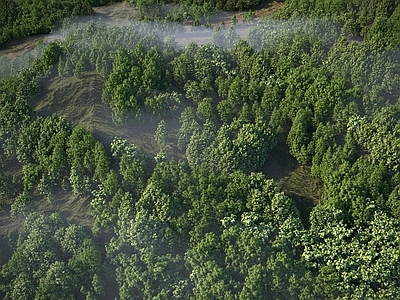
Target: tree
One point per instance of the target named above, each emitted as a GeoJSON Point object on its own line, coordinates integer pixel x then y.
{"type": "Point", "coordinates": [160, 136]}
{"type": "Point", "coordinates": [225, 111]}
{"type": "Point", "coordinates": [58, 282]}
{"type": "Point", "coordinates": [188, 127]}
{"type": "Point", "coordinates": [206, 109]}
{"type": "Point", "coordinates": [133, 172]}
{"type": "Point", "coordinates": [298, 135]}
{"type": "Point", "coordinates": [183, 66]}
{"type": "Point", "coordinates": [193, 90]}
{"type": "Point", "coordinates": [349, 276]}
{"type": "Point", "coordinates": [196, 151]}
{"type": "Point", "coordinates": [81, 146]}
{"type": "Point", "coordinates": [252, 145]}
{"type": "Point", "coordinates": [162, 103]}
{"type": "Point", "coordinates": [105, 202]}
{"type": "Point", "coordinates": [152, 73]}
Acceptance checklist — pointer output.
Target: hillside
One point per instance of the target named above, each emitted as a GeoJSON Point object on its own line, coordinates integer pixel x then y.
{"type": "Point", "coordinates": [173, 151]}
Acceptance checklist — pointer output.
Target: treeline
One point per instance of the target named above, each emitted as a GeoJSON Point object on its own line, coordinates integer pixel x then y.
{"type": "Point", "coordinates": [211, 226]}
{"type": "Point", "coordinates": [215, 4]}
{"type": "Point", "coordinates": [375, 20]}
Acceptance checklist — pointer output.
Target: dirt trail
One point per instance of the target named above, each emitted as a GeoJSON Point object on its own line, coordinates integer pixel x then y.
{"type": "Point", "coordinates": [120, 14]}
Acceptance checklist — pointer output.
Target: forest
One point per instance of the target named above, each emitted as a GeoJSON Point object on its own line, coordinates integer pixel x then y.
{"type": "Point", "coordinates": [182, 194]}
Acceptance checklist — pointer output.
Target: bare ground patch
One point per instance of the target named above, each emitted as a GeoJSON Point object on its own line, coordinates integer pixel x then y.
{"type": "Point", "coordinates": [294, 180]}
{"type": "Point", "coordinates": [121, 10]}
{"type": "Point", "coordinates": [268, 9]}
{"type": "Point", "coordinates": [21, 46]}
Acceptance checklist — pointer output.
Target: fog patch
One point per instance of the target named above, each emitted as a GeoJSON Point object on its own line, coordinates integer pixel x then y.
{"type": "Point", "coordinates": [79, 32]}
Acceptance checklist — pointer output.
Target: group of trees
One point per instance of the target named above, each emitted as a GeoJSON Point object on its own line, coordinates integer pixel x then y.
{"type": "Point", "coordinates": [53, 260]}
{"type": "Point", "coordinates": [376, 21]}
{"type": "Point", "coordinates": [135, 82]}
{"type": "Point", "coordinates": [204, 234]}
{"type": "Point", "coordinates": [211, 225]}
{"type": "Point", "coordinates": [24, 18]}
{"type": "Point", "coordinates": [207, 5]}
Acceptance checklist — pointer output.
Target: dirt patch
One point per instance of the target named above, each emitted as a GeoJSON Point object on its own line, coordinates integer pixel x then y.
{"type": "Point", "coordinates": [121, 10]}
{"type": "Point", "coordinates": [268, 9]}
{"type": "Point", "coordinates": [75, 209]}
{"type": "Point", "coordinates": [302, 183]}
{"type": "Point", "coordinates": [10, 224]}
{"type": "Point", "coordinates": [23, 46]}
{"type": "Point", "coordinates": [304, 189]}
{"type": "Point", "coordinates": [77, 99]}
{"type": "Point", "coordinates": [294, 180]}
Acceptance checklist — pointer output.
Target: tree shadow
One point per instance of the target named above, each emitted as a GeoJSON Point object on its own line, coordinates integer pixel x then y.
{"type": "Point", "coordinates": [304, 206]}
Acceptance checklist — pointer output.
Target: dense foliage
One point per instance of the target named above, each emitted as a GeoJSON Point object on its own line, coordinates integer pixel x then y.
{"type": "Point", "coordinates": [53, 260]}
{"type": "Point", "coordinates": [21, 18]}
{"type": "Point", "coordinates": [214, 4]}
{"type": "Point", "coordinates": [206, 222]}
{"type": "Point", "coordinates": [375, 20]}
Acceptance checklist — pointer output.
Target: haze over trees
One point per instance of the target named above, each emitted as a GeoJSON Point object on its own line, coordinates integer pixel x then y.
{"type": "Point", "coordinates": [198, 216]}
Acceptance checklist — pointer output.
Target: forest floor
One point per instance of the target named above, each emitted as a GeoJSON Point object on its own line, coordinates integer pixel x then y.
{"type": "Point", "coordinates": [79, 100]}
{"type": "Point", "coordinates": [293, 179]}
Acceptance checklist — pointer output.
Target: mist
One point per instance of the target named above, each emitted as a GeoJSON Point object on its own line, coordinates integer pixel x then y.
{"type": "Point", "coordinates": [259, 33]}
{"type": "Point", "coordinates": [184, 34]}
{"type": "Point", "coordinates": [20, 56]}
